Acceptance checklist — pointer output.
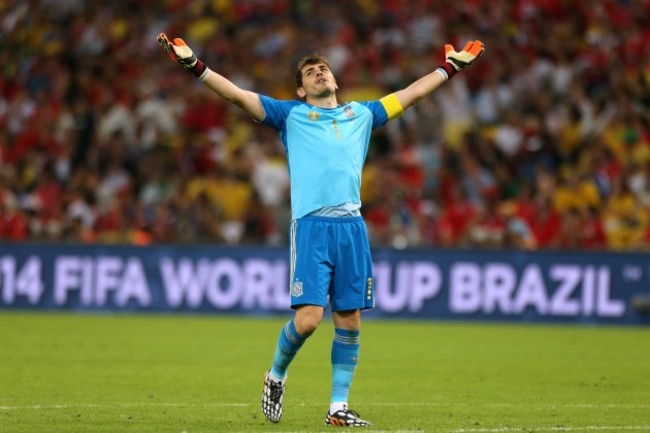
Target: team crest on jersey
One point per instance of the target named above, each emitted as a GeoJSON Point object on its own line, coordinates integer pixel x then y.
{"type": "Point", "coordinates": [313, 115]}
{"type": "Point", "coordinates": [296, 289]}
{"type": "Point", "coordinates": [349, 112]}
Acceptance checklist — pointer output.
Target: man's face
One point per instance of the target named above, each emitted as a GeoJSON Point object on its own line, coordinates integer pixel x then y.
{"type": "Point", "coordinates": [317, 81]}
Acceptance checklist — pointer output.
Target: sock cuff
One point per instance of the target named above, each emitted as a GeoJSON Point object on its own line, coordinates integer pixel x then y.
{"type": "Point", "coordinates": [345, 336]}
{"type": "Point", "coordinates": [292, 334]}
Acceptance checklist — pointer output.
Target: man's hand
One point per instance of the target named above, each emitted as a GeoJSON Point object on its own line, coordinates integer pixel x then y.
{"type": "Point", "coordinates": [461, 60]}
{"type": "Point", "coordinates": [179, 52]}
{"type": "Point", "coordinates": [457, 60]}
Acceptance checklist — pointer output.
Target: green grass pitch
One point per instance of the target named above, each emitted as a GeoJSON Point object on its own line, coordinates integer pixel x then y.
{"type": "Point", "coordinates": [168, 373]}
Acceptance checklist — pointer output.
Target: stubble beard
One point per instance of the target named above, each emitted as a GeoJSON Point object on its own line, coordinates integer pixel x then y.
{"type": "Point", "coordinates": [326, 92]}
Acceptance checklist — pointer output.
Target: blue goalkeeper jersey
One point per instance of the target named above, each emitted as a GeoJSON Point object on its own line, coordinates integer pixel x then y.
{"type": "Point", "coordinates": [326, 148]}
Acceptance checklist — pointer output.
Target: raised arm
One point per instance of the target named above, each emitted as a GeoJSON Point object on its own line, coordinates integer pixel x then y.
{"type": "Point", "coordinates": [454, 62]}
{"type": "Point", "coordinates": [181, 53]}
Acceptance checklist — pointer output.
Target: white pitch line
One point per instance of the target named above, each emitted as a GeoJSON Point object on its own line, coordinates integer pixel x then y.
{"type": "Point", "coordinates": [497, 429]}
{"type": "Point", "coordinates": [507, 405]}
{"type": "Point", "coordinates": [124, 405]}
{"type": "Point", "coordinates": [605, 428]}
{"type": "Point", "coordinates": [553, 429]}
{"type": "Point", "coordinates": [376, 404]}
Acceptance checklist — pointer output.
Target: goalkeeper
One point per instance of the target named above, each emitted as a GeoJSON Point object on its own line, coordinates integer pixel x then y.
{"type": "Point", "coordinates": [326, 143]}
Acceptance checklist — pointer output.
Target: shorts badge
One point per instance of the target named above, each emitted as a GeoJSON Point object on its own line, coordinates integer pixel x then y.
{"type": "Point", "coordinates": [296, 289]}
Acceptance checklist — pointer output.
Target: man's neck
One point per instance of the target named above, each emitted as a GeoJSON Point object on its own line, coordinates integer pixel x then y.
{"type": "Point", "coordinates": [325, 102]}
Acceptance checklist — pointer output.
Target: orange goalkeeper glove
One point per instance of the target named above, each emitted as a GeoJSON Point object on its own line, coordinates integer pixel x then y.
{"type": "Point", "coordinates": [457, 60]}
{"type": "Point", "coordinates": [179, 52]}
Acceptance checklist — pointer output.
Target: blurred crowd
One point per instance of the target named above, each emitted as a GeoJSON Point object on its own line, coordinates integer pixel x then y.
{"type": "Point", "coordinates": [543, 144]}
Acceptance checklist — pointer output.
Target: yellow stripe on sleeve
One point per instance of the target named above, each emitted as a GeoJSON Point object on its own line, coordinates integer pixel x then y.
{"type": "Point", "coordinates": [392, 106]}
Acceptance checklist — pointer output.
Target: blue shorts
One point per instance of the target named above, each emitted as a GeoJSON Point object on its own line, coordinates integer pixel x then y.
{"type": "Point", "coordinates": [330, 257]}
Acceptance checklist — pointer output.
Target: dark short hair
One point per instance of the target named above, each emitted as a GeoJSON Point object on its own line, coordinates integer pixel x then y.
{"type": "Point", "coordinates": [311, 59]}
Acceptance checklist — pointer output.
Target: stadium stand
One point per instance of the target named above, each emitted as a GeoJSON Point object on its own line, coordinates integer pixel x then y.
{"type": "Point", "coordinates": [545, 144]}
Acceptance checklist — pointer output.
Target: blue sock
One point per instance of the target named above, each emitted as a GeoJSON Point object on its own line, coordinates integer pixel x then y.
{"type": "Point", "coordinates": [288, 345]}
{"type": "Point", "coordinates": [345, 354]}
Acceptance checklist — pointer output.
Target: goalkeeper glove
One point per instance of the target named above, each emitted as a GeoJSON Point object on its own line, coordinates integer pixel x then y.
{"type": "Point", "coordinates": [179, 52]}
{"type": "Point", "coordinates": [460, 60]}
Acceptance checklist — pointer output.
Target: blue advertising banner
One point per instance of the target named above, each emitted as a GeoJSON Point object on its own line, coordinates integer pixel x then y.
{"type": "Point", "coordinates": [426, 284]}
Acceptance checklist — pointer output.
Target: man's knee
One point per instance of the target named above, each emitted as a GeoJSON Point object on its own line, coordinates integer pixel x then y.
{"type": "Point", "coordinates": [307, 319]}
{"type": "Point", "coordinates": [349, 320]}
